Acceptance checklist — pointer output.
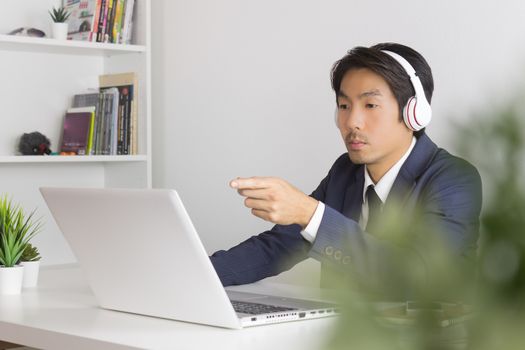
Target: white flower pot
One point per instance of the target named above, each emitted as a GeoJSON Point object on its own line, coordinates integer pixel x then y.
{"type": "Point", "coordinates": [11, 279]}
{"type": "Point", "coordinates": [31, 269]}
{"type": "Point", "coordinates": [59, 30]}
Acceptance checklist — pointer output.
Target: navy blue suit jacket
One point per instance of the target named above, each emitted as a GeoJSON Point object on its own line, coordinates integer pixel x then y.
{"type": "Point", "coordinates": [445, 188]}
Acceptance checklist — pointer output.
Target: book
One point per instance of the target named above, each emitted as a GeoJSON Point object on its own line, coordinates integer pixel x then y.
{"type": "Point", "coordinates": [117, 26]}
{"type": "Point", "coordinates": [77, 134]}
{"type": "Point", "coordinates": [108, 31]}
{"type": "Point", "coordinates": [94, 32]}
{"type": "Point", "coordinates": [92, 100]}
{"type": "Point", "coordinates": [127, 85]}
{"type": "Point", "coordinates": [126, 35]}
{"type": "Point", "coordinates": [102, 20]}
{"type": "Point", "coordinates": [105, 126]}
{"type": "Point", "coordinates": [99, 124]}
{"type": "Point", "coordinates": [111, 113]}
{"type": "Point", "coordinates": [81, 21]}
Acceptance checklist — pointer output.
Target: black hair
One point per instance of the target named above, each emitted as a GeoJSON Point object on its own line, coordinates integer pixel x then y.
{"type": "Point", "coordinates": [388, 68]}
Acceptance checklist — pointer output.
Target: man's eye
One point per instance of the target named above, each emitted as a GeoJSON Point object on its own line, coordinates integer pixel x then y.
{"type": "Point", "coordinates": [343, 106]}
{"type": "Point", "coordinates": [371, 106]}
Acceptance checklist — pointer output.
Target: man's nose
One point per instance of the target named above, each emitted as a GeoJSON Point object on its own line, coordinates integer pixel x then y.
{"type": "Point", "coordinates": [354, 119]}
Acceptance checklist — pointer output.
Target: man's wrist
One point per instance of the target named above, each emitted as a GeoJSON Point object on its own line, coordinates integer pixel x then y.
{"type": "Point", "coordinates": [310, 231]}
{"type": "Point", "coordinates": [311, 206]}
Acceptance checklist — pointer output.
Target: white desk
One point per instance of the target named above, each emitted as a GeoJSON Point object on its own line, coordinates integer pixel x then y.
{"type": "Point", "coordinates": [62, 313]}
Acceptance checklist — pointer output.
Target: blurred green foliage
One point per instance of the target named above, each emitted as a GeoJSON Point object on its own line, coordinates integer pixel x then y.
{"type": "Point", "coordinates": [495, 144]}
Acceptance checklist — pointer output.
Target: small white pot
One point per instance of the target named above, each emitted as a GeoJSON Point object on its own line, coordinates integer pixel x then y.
{"type": "Point", "coordinates": [11, 279]}
{"type": "Point", "coordinates": [31, 269]}
{"type": "Point", "coordinates": [59, 30]}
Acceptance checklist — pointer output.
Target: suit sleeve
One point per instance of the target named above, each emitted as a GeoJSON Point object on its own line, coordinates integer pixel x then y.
{"type": "Point", "coordinates": [266, 254]}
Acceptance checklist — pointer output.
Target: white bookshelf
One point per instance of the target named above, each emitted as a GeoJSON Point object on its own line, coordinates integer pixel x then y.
{"type": "Point", "coordinates": [72, 159]}
{"type": "Point", "coordinates": [69, 47]}
{"type": "Point", "coordinates": [39, 78]}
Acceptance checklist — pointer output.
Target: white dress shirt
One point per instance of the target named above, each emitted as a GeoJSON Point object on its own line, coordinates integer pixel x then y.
{"type": "Point", "coordinates": [382, 188]}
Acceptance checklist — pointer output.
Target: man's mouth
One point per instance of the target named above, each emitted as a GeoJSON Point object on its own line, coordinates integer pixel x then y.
{"type": "Point", "coordinates": [355, 141]}
{"type": "Point", "coordinates": [356, 144]}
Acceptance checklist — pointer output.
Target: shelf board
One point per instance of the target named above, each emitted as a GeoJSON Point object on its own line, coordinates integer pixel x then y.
{"type": "Point", "coordinates": [70, 159]}
{"type": "Point", "coordinates": [72, 47]}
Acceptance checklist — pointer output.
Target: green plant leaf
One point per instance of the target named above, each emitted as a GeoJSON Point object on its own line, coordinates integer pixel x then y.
{"type": "Point", "coordinates": [16, 230]}
{"type": "Point", "coordinates": [59, 15]}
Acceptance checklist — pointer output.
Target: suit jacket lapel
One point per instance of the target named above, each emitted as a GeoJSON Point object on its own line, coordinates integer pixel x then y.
{"type": "Point", "coordinates": [353, 200]}
{"type": "Point", "coordinates": [416, 163]}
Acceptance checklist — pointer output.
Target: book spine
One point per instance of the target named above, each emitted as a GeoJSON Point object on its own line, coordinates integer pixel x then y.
{"type": "Point", "coordinates": [128, 15]}
{"type": "Point", "coordinates": [94, 27]}
{"type": "Point", "coordinates": [99, 124]}
{"type": "Point", "coordinates": [89, 148]}
{"type": "Point", "coordinates": [121, 121]}
{"type": "Point", "coordinates": [114, 116]}
{"type": "Point", "coordinates": [114, 135]}
{"type": "Point", "coordinates": [111, 124]}
{"type": "Point", "coordinates": [105, 22]}
{"type": "Point", "coordinates": [130, 123]}
{"type": "Point", "coordinates": [117, 27]}
{"type": "Point", "coordinates": [109, 21]}
{"type": "Point", "coordinates": [103, 127]}
{"type": "Point", "coordinates": [90, 9]}
{"type": "Point", "coordinates": [107, 122]}
{"type": "Point", "coordinates": [122, 127]}
{"type": "Point", "coordinates": [127, 119]}
{"type": "Point", "coordinates": [101, 19]}
{"type": "Point", "coordinates": [120, 137]}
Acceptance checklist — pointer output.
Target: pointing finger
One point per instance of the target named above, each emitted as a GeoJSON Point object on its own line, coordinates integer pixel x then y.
{"type": "Point", "coordinates": [249, 183]}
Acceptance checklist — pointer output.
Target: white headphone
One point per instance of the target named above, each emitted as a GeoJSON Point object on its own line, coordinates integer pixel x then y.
{"type": "Point", "coordinates": [417, 112]}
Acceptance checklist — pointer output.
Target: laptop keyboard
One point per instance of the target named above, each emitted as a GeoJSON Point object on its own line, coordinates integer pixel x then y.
{"type": "Point", "coordinates": [257, 309]}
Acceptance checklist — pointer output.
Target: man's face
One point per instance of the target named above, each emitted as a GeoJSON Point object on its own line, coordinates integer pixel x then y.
{"type": "Point", "coordinates": [368, 118]}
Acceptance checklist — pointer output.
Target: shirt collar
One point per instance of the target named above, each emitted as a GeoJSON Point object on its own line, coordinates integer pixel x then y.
{"type": "Point", "coordinates": [384, 185]}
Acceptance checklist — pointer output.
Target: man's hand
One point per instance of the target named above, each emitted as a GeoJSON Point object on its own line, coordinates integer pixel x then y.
{"type": "Point", "coordinates": [275, 200]}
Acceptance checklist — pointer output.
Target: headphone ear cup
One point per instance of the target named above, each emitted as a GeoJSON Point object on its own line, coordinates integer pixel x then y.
{"type": "Point", "coordinates": [408, 116]}
{"type": "Point", "coordinates": [423, 114]}
{"type": "Point", "coordinates": [416, 115]}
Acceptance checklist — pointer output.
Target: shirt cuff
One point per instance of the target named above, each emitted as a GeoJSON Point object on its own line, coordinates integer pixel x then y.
{"type": "Point", "coordinates": [310, 231]}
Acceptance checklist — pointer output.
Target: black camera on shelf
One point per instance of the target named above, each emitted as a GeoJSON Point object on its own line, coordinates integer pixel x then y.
{"type": "Point", "coordinates": [34, 144]}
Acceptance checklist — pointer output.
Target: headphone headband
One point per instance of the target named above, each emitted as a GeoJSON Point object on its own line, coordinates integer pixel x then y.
{"type": "Point", "coordinates": [417, 113]}
{"type": "Point", "coordinates": [402, 61]}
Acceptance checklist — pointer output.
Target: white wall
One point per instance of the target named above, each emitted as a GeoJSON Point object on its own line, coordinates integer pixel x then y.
{"type": "Point", "coordinates": [242, 88]}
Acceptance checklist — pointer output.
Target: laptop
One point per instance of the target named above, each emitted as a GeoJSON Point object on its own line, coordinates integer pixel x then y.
{"type": "Point", "coordinates": [141, 254]}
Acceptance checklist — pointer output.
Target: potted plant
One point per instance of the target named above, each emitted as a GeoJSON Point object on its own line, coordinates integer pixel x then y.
{"type": "Point", "coordinates": [16, 230]}
{"type": "Point", "coordinates": [30, 260]}
{"type": "Point", "coordinates": [59, 17]}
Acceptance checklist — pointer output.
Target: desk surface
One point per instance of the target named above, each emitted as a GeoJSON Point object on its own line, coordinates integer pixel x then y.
{"type": "Point", "coordinates": [62, 313]}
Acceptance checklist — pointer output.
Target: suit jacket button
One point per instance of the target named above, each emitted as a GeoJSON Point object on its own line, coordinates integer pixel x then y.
{"type": "Point", "coordinates": [337, 255]}
{"type": "Point", "coordinates": [329, 250]}
{"type": "Point", "coordinates": [346, 260]}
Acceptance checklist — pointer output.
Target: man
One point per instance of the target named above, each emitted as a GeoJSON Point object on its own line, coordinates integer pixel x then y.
{"type": "Point", "coordinates": [382, 109]}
